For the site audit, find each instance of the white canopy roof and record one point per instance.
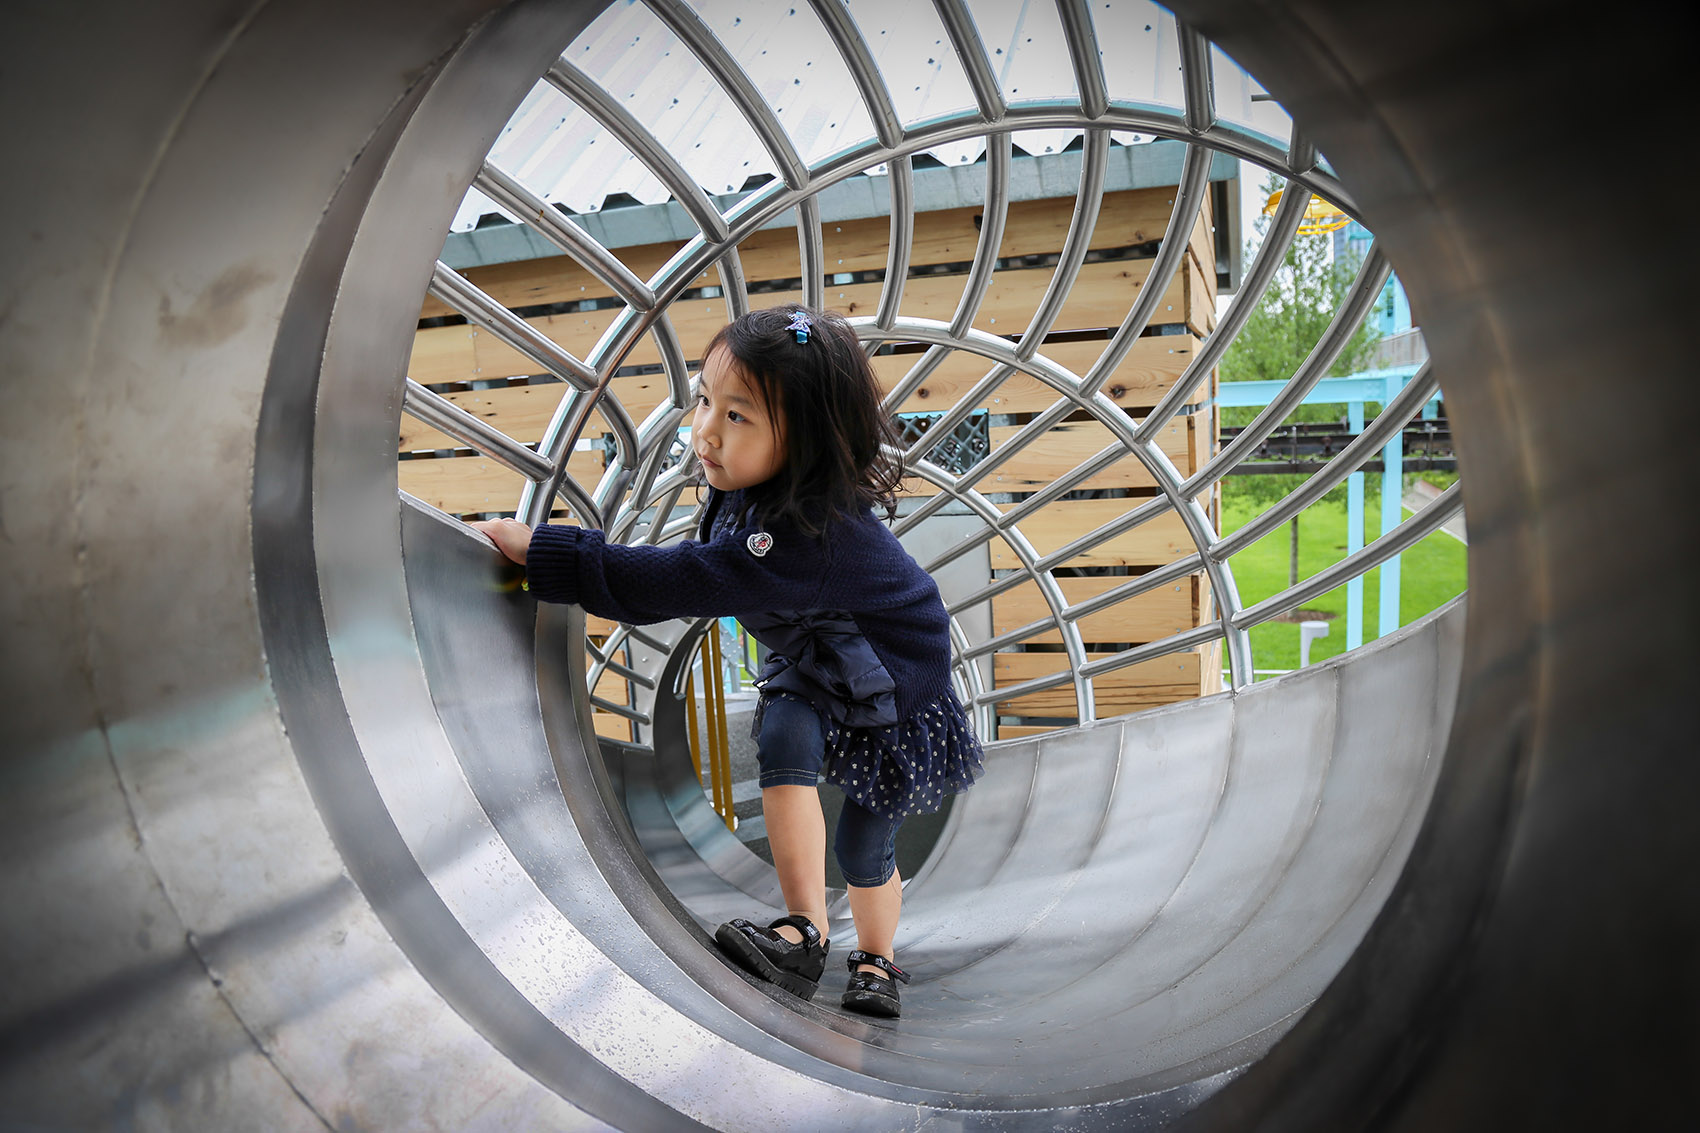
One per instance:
(563, 156)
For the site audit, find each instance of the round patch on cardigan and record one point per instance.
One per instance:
(759, 543)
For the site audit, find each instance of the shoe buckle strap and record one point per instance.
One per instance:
(811, 934)
(858, 957)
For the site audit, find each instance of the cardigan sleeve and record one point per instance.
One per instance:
(641, 584)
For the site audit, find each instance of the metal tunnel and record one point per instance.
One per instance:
(305, 823)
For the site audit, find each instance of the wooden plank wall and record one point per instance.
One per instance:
(567, 304)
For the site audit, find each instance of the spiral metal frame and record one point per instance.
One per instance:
(634, 483)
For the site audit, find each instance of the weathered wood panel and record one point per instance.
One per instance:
(1146, 617)
(1100, 298)
(1162, 680)
(1144, 376)
(1159, 541)
(611, 726)
(522, 412)
(1149, 369)
(1127, 218)
(1063, 448)
(466, 484)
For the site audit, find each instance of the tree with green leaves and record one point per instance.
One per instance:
(1303, 296)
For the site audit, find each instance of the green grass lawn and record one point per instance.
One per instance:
(1431, 573)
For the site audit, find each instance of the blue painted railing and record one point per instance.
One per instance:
(1372, 386)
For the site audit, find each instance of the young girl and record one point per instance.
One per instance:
(793, 444)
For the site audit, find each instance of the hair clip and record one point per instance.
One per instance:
(800, 324)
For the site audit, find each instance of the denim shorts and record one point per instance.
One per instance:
(791, 745)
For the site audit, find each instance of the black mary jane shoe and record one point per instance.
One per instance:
(765, 954)
(872, 993)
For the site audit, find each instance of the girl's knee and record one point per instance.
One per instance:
(873, 880)
(789, 743)
(865, 846)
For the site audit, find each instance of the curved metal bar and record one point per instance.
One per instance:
(1408, 533)
(973, 681)
(1048, 494)
(673, 361)
(671, 480)
(568, 421)
(993, 217)
(995, 459)
(1288, 216)
(712, 54)
(616, 342)
(1002, 352)
(654, 441)
(1127, 521)
(1168, 480)
(1195, 178)
(917, 374)
(1196, 80)
(563, 232)
(987, 592)
(622, 470)
(1133, 587)
(1203, 534)
(440, 413)
(960, 412)
(570, 417)
(1366, 289)
(733, 286)
(1088, 200)
(864, 72)
(1391, 420)
(622, 710)
(1048, 588)
(536, 497)
(618, 121)
(1301, 153)
(1175, 643)
(625, 672)
(1082, 42)
(774, 198)
(480, 309)
(965, 39)
(809, 252)
(1005, 640)
(902, 177)
(1006, 693)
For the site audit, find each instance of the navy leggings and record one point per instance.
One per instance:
(791, 747)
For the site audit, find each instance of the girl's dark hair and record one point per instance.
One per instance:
(839, 442)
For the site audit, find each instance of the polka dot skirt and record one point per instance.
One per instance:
(906, 768)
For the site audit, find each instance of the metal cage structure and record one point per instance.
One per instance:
(306, 822)
(1078, 102)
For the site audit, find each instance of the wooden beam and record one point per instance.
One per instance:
(1145, 617)
(1161, 680)
(522, 412)
(1127, 218)
(610, 726)
(463, 485)
(1162, 540)
(1064, 447)
(1143, 377)
(1102, 295)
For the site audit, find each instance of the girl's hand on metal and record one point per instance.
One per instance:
(511, 537)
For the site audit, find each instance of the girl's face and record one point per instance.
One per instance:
(740, 442)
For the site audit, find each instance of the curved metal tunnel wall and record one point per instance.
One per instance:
(216, 911)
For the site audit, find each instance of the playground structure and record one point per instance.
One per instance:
(254, 851)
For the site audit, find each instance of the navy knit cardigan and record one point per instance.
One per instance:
(775, 577)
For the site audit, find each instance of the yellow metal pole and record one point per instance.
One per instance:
(722, 746)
